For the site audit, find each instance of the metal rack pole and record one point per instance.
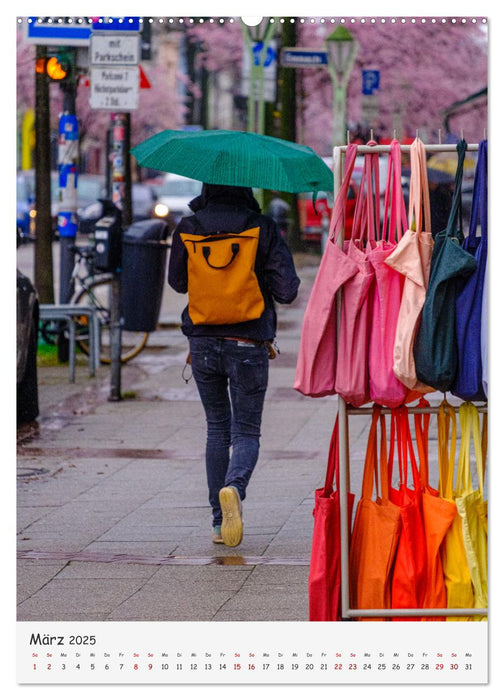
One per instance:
(344, 411)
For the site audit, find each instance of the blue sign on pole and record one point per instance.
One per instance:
(116, 24)
(303, 58)
(370, 81)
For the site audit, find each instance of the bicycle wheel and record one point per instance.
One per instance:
(98, 295)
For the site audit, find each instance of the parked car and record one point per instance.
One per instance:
(173, 196)
(27, 320)
(25, 201)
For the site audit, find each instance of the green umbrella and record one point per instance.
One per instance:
(242, 158)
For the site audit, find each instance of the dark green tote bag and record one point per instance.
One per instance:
(435, 348)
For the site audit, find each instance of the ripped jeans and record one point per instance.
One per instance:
(232, 379)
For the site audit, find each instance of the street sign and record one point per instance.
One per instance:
(370, 81)
(295, 57)
(269, 58)
(119, 24)
(114, 88)
(49, 32)
(113, 49)
(74, 31)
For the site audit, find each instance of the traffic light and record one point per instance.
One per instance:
(57, 66)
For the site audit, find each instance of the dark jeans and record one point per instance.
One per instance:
(232, 379)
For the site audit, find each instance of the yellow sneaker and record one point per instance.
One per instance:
(217, 535)
(232, 524)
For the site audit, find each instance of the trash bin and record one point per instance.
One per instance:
(144, 249)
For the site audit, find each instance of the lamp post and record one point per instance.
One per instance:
(341, 53)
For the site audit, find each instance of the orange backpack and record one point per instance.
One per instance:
(222, 284)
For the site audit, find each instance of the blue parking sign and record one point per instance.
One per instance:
(370, 81)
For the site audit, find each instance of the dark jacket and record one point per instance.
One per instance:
(233, 210)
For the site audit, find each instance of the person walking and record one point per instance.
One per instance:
(229, 358)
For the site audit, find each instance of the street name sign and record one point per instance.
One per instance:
(294, 57)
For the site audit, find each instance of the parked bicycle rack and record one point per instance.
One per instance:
(68, 313)
(345, 410)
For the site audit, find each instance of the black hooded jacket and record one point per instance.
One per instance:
(233, 210)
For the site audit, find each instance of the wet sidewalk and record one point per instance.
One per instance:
(113, 517)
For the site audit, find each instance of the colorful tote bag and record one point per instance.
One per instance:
(469, 305)
(412, 258)
(352, 371)
(471, 504)
(409, 577)
(435, 346)
(324, 579)
(457, 576)
(317, 357)
(376, 530)
(385, 388)
(438, 516)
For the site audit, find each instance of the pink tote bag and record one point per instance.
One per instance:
(352, 372)
(317, 357)
(412, 258)
(385, 388)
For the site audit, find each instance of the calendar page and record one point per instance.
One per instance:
(294, 499)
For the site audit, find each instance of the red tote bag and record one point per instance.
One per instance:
(352, 371)
(317, 356)
(324, 579)
(410, 568)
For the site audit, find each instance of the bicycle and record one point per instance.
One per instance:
(94, 290)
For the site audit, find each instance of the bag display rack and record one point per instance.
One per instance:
(345, 410)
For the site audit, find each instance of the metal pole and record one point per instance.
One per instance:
(119, 156)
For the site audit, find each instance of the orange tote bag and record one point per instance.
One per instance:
(438, 516)
(376, 530)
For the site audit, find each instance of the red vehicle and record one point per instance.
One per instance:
(311, 221)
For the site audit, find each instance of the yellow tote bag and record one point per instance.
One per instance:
(222, 284)
(459, 588)
(471, 505)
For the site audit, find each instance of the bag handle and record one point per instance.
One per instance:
(394, 222)
(235, 249)
(447, 436)
(400, 417)
(366, 220)
(479, 209)
(338, 212)
(422, 423)
(419, 214)
(371, 460)
(456, 208)
(333, 461)
(469, 423)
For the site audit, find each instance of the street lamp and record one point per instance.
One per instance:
(341, 53)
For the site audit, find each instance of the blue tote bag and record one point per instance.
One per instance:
(468, 383)
(435, 346)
